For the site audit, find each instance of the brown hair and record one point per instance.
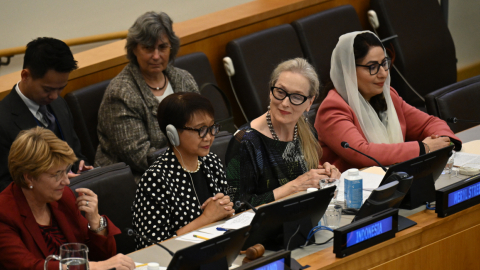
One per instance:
(34, 152)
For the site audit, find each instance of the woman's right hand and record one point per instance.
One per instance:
(310, 179)
(436, 142)
(118, 262)
(218, 208)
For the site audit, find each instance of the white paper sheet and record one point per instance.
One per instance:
(212, 230)
(462, 159)
(190, 238)
(239, 221)
(141, 266)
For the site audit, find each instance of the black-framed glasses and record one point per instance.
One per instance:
(375, 68)
(202, 132)
(280, 94)
(63, 173)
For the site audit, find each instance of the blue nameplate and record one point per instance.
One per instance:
(365, 233)
(458, 196)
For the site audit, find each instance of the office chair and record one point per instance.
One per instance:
(424, 52)
(84, 105)
(115, 187)
(254, 58)
(459, 100)
(198, 65)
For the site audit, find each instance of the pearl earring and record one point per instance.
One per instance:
(31, 187)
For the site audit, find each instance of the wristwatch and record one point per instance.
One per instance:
(103, 225)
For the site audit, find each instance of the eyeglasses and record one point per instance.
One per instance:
(280, 94)
(60, 174)
(375, 68)
(162, 48)
(202, 132)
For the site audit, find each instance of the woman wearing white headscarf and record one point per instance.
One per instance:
(366, 112)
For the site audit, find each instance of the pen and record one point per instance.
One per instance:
(201, 237)
(140, 265)
(221, 229)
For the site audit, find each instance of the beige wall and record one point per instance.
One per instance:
(24, 20)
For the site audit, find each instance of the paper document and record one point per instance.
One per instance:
(190, 238)
(371, 181)
(239, 221)
(461, 159)
(212, 230)
(144, 266)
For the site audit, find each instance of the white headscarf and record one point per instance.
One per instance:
(344, 77)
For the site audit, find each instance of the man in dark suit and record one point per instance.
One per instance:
(35, 101)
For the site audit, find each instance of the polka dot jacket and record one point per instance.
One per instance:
(165, 200)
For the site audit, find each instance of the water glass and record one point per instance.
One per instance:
(449, 165)
(329, 182)
(74, 256)
(332, 216)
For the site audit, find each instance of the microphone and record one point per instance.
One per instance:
(346, 145)
(131, 232)
(455, 120)
(239, 204)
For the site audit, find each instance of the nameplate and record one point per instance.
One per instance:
(365, 233)
(458, 196)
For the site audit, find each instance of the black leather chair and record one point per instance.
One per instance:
(115, 188)
(458, 100)
(424, 48)
(84, 105)
(254, 58)
(318, 35)
(219, 147)
(199, 66)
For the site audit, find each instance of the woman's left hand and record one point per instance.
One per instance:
(87, 201)
(330, 170)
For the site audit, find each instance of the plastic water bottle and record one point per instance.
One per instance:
(353, 189)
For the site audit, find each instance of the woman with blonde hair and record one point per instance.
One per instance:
(43, 213)
(277, 154)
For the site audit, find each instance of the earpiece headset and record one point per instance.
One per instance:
(172, 135)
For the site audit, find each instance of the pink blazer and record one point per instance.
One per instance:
(336, 122)
(22, 245)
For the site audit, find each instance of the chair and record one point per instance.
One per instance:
(84, 105)
(219, 147)
(424, 49)
(318, 35)
(254, 58)
(458, 100)
(198, 65)
(115, 188)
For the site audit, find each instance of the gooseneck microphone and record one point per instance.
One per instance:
(346, 145)
(239, 204)
(131, 232)
(455, 120)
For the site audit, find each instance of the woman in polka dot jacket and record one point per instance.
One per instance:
(184, 188)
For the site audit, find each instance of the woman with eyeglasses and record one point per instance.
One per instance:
(364, 111)
(185, 188)
(40, 212)
(277, 154)
(127, 123)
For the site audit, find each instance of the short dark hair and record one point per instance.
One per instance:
(45, 53)
(147, 29)
(178, 108)
(361, 45)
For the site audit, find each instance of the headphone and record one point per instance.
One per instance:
(172, 135)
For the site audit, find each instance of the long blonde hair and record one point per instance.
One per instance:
(310, 147)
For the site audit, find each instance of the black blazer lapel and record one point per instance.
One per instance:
(21, 115)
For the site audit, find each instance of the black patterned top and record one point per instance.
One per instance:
(165, 200)
(53, 236)
(256, 165)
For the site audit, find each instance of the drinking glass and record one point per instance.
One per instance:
(332, 216)
(329, 182)
(449, 165)
(74, 256)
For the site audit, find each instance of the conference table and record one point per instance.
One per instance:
(434, 243)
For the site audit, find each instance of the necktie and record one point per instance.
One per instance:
(48, 117)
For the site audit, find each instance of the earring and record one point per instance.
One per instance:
(305, 115)
(268, 108)
(31, 187)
